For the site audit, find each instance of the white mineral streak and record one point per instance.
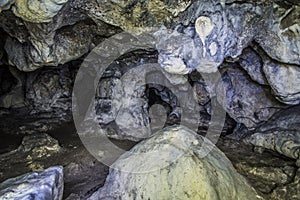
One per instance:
(204, 27)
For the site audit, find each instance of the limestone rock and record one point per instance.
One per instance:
(247, 102)
(210, 38)
(121, 103)
(280, 133)
(266, 174)
(70, 48)
(290, 191)
(266, 171)
(13, 26)
(47, 184)
(48, 47)
(49, 89)
(172, 165)
(131, 106)
(39, 145)
(18, 56)
(284, 142)
(37, 11)
(204, 27)
(253, 64)
(131, 15)
(280, 38)
(284, 80)
(229, 28)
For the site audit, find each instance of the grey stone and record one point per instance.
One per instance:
(217, 29)
(280, 133)
(13, 26)
(49, 89)
(247, 102)
(121, 102)
(131, 15)
(49, 47)
(39, 145)
(73, 197)
(253, 64)
(131, 106)
(173, 165)
(280, 37)
(265, 171)
(284, 80)
(266, 174)
(47, 184)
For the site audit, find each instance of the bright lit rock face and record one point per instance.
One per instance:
(37, 11)
(171, 165)
(47, 184)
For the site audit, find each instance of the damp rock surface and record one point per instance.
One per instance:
(171, 165)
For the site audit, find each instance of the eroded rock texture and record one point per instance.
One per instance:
(255, 46)
(50, 89)
(122, 104)
(284, 80)
(47, 184)
(290, 191)
(280, 133)
(171, 165)
(247, 102)
(262, 37)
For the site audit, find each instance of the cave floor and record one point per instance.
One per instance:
(83, 174)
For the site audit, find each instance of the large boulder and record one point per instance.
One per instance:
(47, 184)
(173, 165)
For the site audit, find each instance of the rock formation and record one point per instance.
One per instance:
(238, 56)
(47, 184)
(171, 165)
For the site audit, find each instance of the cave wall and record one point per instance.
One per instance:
(255, 46)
